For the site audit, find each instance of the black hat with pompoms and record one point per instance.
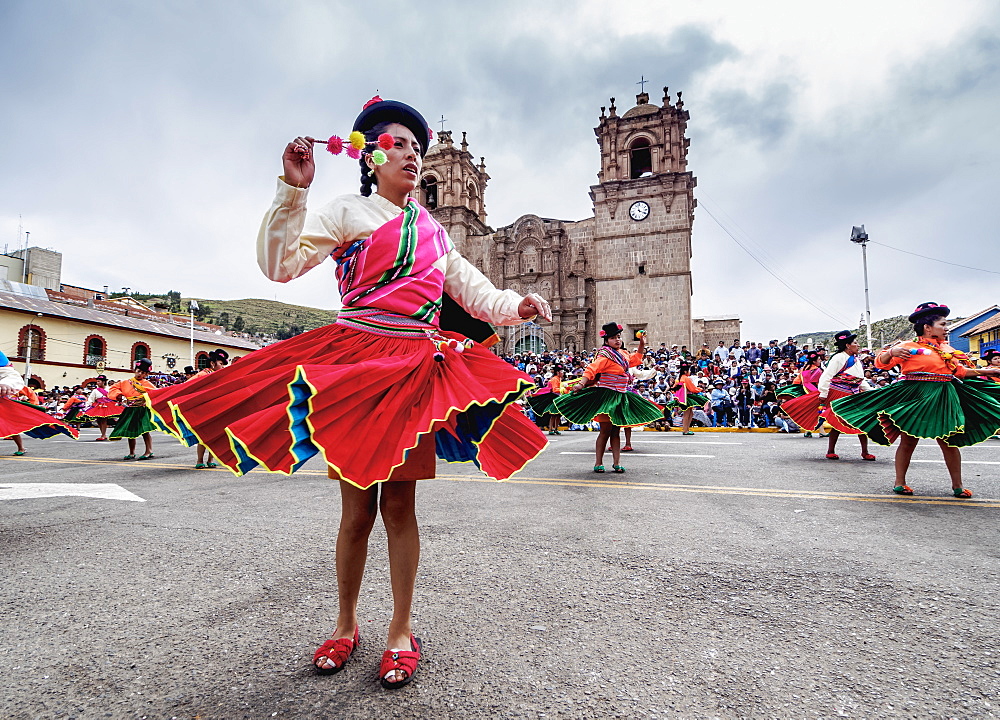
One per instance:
(610, 330)
(928, 309)
(377, 111)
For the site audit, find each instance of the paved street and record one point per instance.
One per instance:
(728, 575)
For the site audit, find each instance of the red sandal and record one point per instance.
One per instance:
(867, 456)
(404, 660)
(834, 456)
(337, 651)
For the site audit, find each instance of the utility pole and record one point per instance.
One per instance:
(859, 236)
(192, 306)
(24, 258)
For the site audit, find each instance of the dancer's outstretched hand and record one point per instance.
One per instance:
(299, 162)
(534, 305)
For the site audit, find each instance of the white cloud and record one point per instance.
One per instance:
(143, 141)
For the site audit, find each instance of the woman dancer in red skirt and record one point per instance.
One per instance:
(18, 417)
(386, 366)
(100, 407)
(843, 376)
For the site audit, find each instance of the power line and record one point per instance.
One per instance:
(925, 257)
(777, 277)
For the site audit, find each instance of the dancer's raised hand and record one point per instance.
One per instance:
(534, 305)
(299, 162)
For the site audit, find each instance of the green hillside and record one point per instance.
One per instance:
(250, 315)
(883, 332)
(263, 316)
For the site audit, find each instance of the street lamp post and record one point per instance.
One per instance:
(192, 306)
(859, 236)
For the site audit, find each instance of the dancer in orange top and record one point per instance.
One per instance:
(542, 402)
(939, 397)
(135, 419)
(609, 401)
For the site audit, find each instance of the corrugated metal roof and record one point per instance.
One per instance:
(48, 308)
(993, 322)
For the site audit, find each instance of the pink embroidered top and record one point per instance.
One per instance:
(810, 378)
(391, 261)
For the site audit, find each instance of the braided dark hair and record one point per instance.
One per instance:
(368, 180)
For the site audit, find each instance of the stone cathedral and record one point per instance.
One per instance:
(629, 263)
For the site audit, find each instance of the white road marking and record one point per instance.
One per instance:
(107, 491)
(632, 455)
(685, 442)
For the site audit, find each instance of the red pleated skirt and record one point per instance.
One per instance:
(17, 417)
(804, 410)
(365, 402)
(102, 410)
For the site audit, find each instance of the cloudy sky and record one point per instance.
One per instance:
(142, 140)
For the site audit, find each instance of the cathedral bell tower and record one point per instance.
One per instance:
(643, 213)
(452, 187)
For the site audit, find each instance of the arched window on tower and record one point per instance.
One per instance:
(642, 159)
(430, 188)
(473, 198)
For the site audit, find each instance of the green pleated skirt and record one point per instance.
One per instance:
(787, 392)
(543, 404)
(693, 400)
(133, 422)
(624, 409)
(961, 413)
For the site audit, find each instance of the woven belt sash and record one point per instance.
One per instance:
(928, 377)
(383, 322)
(846, 384)
(614, 382)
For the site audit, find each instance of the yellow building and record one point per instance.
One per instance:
(72, 342)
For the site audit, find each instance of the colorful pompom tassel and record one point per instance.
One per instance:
(357, 140)
(335, 145)
(386, 141)
(379, 157)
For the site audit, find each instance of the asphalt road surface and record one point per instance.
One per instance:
(725, 575)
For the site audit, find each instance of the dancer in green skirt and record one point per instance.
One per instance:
(542, 401)
(687, 396)
(135, 420)
(608, 399)
(939, 397)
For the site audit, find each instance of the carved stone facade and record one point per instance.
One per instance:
(629, 263)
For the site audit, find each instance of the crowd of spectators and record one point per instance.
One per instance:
(59, 400)
(740, 380)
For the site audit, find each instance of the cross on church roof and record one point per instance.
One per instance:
(442, 121)
(642, 83)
